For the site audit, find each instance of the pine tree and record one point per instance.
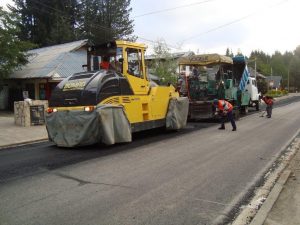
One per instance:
(47, 22)
(294, 67)
(106, 20)
(12, 50)
(227, 52)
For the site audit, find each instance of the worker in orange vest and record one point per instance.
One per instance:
(225, 109)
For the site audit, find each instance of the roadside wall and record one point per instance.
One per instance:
(30, 112)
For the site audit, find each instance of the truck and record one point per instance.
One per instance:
(212, 76)
(240, 67)
(106, 105)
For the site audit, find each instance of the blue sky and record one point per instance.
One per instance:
(210, 26)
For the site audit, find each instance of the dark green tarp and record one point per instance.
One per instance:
(107, 124)
(177, 113)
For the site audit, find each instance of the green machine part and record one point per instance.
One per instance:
(221, 92)
(211, 86)
(230, 90)
(198, 89)
(243, 98)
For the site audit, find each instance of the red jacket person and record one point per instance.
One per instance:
(225, 110)
(269, 102)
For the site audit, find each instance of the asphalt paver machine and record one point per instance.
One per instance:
(203, 78)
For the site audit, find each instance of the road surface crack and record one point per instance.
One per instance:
(82, 182)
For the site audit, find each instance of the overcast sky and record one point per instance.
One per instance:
(210, 26)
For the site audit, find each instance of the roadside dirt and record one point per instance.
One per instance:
(286, 209)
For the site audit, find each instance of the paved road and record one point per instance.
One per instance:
(198, 176)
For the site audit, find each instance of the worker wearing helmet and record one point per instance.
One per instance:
(224, 108)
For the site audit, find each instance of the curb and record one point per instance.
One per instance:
(23, 143)
(263, 212)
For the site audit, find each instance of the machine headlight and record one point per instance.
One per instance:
(51, 110)
(89, 108)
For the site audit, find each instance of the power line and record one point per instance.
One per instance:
(232, 22)
(96, 26)
(154, 42)
(173, 8)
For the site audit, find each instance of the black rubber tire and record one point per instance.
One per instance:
(257, 106)
(236, 114)
(244, 110)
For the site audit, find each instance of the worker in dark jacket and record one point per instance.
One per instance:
(269, 102)
(225, 109)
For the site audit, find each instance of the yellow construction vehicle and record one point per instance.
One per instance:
(113, 99)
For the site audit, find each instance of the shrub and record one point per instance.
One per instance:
(276, 93)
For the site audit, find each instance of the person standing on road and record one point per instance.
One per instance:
(269, 102)
(225, 109)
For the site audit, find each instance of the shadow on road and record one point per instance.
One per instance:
(27, 160)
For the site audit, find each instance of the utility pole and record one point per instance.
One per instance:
(288, 79)
(255, 68)
(271, 73)
(271, 79)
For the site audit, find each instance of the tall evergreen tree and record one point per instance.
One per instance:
(12, 49)
(287, 64)
(105, 20)
(64, 21)
(294, 67)
(47, 22)
(262, 62)
(229, 53)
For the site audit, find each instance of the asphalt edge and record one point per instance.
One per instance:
(263, 212)
(2, 147)
(249, 191)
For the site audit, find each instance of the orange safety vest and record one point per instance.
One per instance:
(224, 106)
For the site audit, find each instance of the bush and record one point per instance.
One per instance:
(277, 93)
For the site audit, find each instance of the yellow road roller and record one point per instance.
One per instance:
(112, 99)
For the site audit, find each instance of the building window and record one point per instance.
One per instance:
(134, 57)
(42, 91)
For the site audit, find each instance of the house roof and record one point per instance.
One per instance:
(275, 80)
(252, 73)
(174, 55)
(56, 62)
